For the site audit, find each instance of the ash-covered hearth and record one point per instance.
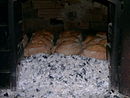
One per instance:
(60, 76)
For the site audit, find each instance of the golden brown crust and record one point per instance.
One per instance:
(94, 51)
(41, 42)
(67, 34)
(103, 42)
(69, 39)
(68, 48)
(93, 54)
(43, 34)
(68, 43)
(97, 48)
(101, 35)
(88, 39)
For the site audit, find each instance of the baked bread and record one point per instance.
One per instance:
(68, 48)
(91, 40)
(94, 51)
(88, 39)
(68, 34)
(69, 39)
(96, 40)
(103, 42)
(43, 34)
(102, 35)
(68, 43)
(41, 42)
(31, 51)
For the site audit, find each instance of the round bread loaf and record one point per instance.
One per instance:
(94, 41)
(31, 51)
(40, 47)
(48, 34)
(91, 40)
(43, 49)
(103, 42)
(70, 34)
(68, 48)
(68, 43)
(72, 49)
(102, 35)
(69, 39)
(43, 34)
(88, 39)
(94, 51)
(41, 42)
(97, 48)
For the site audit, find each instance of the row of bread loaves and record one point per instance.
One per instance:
(69, 43)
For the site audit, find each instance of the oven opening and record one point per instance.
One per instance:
(62, 48)
(62, 26)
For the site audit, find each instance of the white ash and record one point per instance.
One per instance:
(59, 76)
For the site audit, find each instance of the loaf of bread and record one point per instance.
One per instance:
(69, 39)
(68, 43)
(67, 34)
(103, 42)
(93, 40)
(43, 34)
(94, 46)
(88, 39)
(94, 51)
(68, 48)
(102, 35)
(31, 51)
(41, 42)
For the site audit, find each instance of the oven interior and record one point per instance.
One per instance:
(21, 20)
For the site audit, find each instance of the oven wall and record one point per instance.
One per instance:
(57, 16)
(119, 39)
(125, 50)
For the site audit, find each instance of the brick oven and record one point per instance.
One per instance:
(20, 17)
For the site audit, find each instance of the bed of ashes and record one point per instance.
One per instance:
(60, 76)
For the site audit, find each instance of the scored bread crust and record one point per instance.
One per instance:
(41, 42)
(94, 51)
(68, 43)
(68, 34)
(69, 39)
(68, 48)
(94, 41)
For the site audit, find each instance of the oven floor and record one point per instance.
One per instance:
(59, 76)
